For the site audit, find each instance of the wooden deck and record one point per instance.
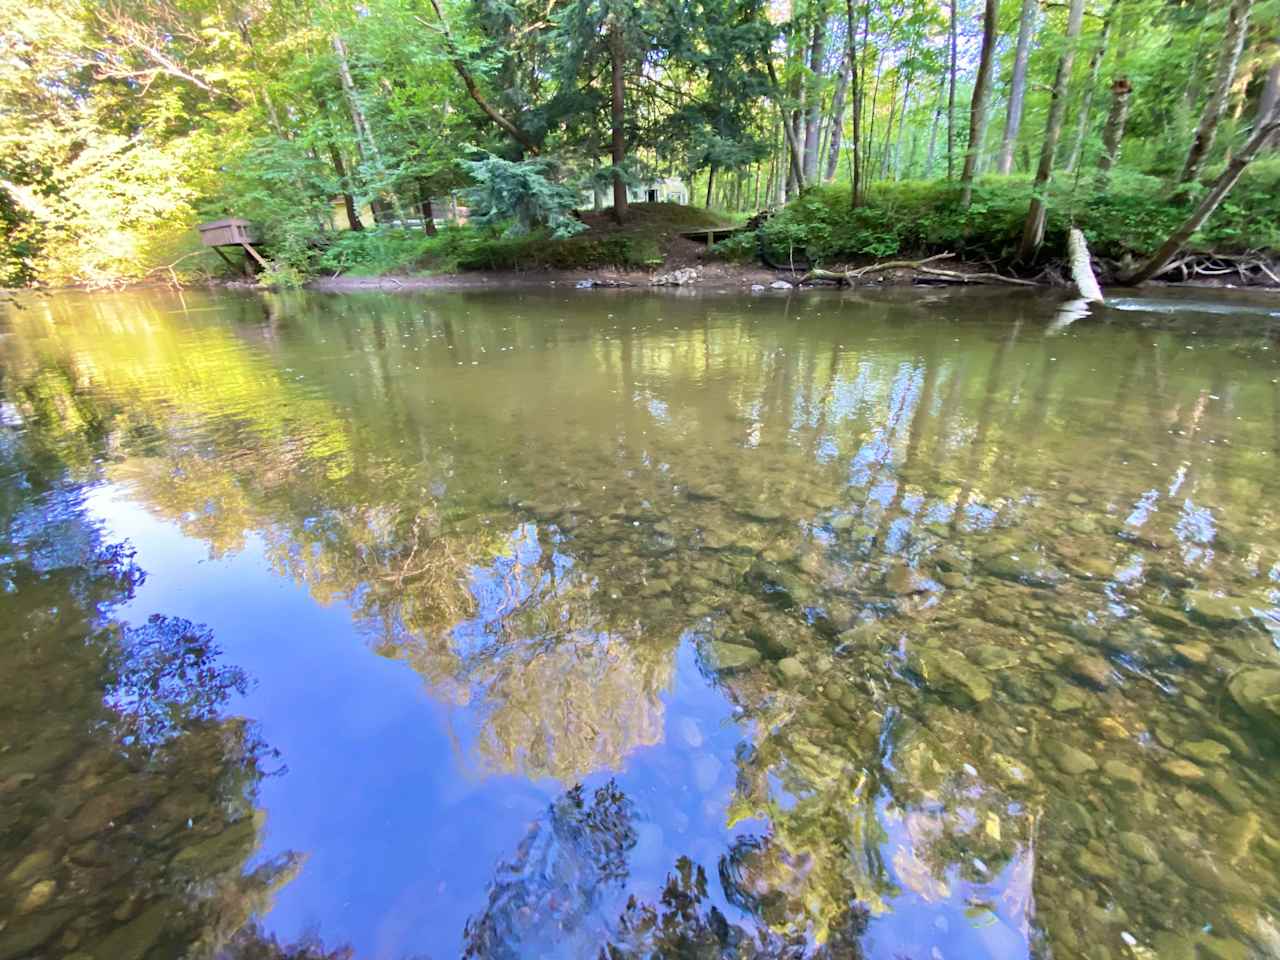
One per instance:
(712, 235)
(233, 232)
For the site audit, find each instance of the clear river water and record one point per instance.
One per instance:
(908, 625)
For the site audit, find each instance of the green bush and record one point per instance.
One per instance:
(376, 250)
(1130, 218)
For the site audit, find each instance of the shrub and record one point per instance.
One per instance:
(1130, 218)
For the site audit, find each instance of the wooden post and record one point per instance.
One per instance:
(254, 253)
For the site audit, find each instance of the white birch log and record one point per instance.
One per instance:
(1081, 268)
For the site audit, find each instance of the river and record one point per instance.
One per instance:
(910, 624)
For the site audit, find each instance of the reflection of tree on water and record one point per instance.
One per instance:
(565, 893)
(559, 688)
(127, 811)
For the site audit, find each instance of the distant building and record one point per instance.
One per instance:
(666, 190)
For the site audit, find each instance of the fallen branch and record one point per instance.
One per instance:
(168, 267)
(850, 277)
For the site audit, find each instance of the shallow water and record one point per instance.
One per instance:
(909, 625)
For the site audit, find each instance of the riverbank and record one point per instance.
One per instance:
(705, 275)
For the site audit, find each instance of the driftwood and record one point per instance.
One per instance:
(1250, 269)
(922, 268)
(1081, 268)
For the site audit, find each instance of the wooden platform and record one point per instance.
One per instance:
(233, 232)
(712, 235)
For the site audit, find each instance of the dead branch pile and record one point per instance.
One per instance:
(924, 272)
(1248, 269)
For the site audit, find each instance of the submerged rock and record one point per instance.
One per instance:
(1023, 565)
(902, 580)
(1216, 611)
(1257, 693)
(1205, 751)
(20, 936)
(1070, 760)
(1122, 775)
(792, 670)
(1193, 651)
(37, 896)
(1090, 669)
(1139, 847)
(949, 672)
(133, 940)
(729, 657)
(1182, 769)
(1096, 866)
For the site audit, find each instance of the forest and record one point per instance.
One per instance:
(352, 134)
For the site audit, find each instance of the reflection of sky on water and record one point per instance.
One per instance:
(402, 828)
(402, 832)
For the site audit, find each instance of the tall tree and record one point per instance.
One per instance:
(617, 115)
(978, 105)
(1233, 36)
(1038, 212)
(1091, 85)
(1113, 130)
(838, 105)
(813, 97)
(1017, 86)
(855, 93)
(951, 94)
(1270, 94)
(1266, 127)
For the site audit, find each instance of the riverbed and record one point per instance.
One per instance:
(556, 623)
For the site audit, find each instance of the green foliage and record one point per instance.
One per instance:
(380, 250)
(522, 194)
(1130, 218)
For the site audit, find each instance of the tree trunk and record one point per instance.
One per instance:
(870, 144)
(348, 201)
(902, 126)
(1091, 85)
(711, 179)
(1038, 212)
(358, 120)
(855, 94)
(933, 133)
(1113, 132)
(1228, 59)
(978, 106)
(793, 146)
(1265, 129)
(1017, 86)
(616, 118)
(951, 98)
(813, 116)
(837, 124)
(888, 130)
(1270, 97)
(468, 81)
(364, 134)
(428, 214)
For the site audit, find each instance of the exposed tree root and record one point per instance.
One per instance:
(922, 268)
(1249, 269)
